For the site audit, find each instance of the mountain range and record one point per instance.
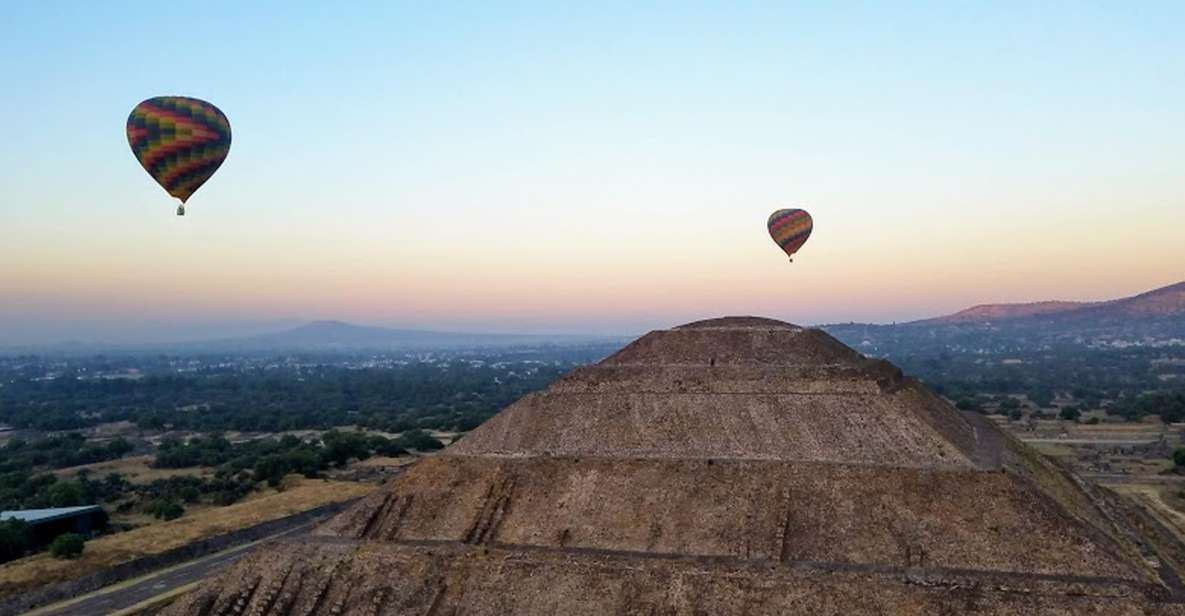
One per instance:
(322, 336)
(1163, 302)
(1155, 318)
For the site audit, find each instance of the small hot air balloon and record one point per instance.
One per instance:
(790, 229)
(179, 141)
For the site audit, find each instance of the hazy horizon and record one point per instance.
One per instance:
(165, 332)
(605, 170)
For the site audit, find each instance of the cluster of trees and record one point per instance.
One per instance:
(271, 459)
(1124, 382)
(1170, 405)
(25, 490)
(419, 395)
(224, 488)
(241, 466)
(71, 449)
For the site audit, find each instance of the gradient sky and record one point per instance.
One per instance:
(537, 168)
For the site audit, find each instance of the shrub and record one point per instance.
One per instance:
(1179, 457)
(165, 509)
(1070, 413)
(69, 545)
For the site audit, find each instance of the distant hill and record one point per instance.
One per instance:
(337, 335)
(1163, 302)
(1152, 319)
(1000, 312)
(332, 336)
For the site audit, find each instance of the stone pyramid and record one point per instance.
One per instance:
(731, 466)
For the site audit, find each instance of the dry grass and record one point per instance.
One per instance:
(136, 469)
(304, 494)
(387, 461)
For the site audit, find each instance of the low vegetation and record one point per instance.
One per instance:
(232, 472)
(109, 550)
(66, 450)
(248, 394)
(67, 546)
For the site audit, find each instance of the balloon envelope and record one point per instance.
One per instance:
(179, 141)
(790, 229)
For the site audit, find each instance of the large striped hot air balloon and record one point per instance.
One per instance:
(790, 229)
(179, 141)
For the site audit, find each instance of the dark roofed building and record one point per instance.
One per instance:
(45, 524)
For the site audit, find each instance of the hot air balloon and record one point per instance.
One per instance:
(179, 141)
(790, 229)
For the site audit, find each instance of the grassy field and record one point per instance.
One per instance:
(135, 469)
(300, 495)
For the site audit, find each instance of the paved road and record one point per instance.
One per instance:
(1106, 478)
(129, 593)
(1089, 441)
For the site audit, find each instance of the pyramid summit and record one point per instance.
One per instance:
(737, 388)
(729, 466)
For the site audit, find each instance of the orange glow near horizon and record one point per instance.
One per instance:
(600, 278)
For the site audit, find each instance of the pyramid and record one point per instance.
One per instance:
(731, 466)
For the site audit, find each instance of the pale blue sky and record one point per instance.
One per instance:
(607, 168)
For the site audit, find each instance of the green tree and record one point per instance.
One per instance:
(271, 469)
(420, 441)
(65, 494)
(14, 539)
(1179, 457)
(1070, 413)
(69, 545)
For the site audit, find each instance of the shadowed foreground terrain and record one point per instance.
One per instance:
(731, 466)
